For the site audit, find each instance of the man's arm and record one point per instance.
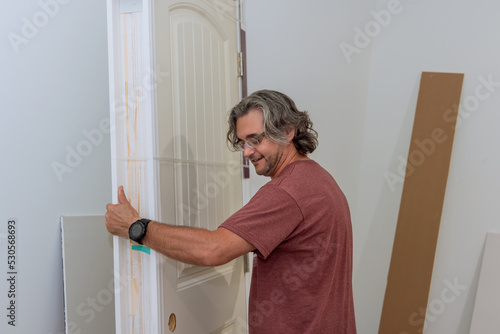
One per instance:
(186, 244)
(196, 246)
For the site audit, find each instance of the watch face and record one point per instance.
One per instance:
(136, 230)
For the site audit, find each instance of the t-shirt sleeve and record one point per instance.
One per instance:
(267, 219)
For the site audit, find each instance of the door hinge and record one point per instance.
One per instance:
(240, 64)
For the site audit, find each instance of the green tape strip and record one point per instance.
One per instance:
(141, 249)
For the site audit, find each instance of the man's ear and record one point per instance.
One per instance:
(290, 134)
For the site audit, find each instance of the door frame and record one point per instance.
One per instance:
(139, 303)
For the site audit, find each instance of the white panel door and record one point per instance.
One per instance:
(173, 77)
(200, 177)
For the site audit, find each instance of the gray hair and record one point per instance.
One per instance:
(280, 115)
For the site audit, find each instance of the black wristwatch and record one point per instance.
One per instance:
(138, 229)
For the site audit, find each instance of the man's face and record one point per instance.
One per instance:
(266, 156)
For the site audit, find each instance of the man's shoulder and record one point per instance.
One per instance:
(303, 180)
(302, 171)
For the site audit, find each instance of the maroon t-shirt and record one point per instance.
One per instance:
(300, 225)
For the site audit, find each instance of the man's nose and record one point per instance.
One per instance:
(247, 151)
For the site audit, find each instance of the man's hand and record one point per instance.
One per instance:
(120, 216)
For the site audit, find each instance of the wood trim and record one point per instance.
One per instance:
(133, 133)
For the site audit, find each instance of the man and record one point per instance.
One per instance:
(298, 225)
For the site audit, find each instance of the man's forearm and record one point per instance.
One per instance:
(190, 245)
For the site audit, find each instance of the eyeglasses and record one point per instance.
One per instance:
(252, 142)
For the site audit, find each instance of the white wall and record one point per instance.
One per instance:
(51, 90)
(364, 113)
